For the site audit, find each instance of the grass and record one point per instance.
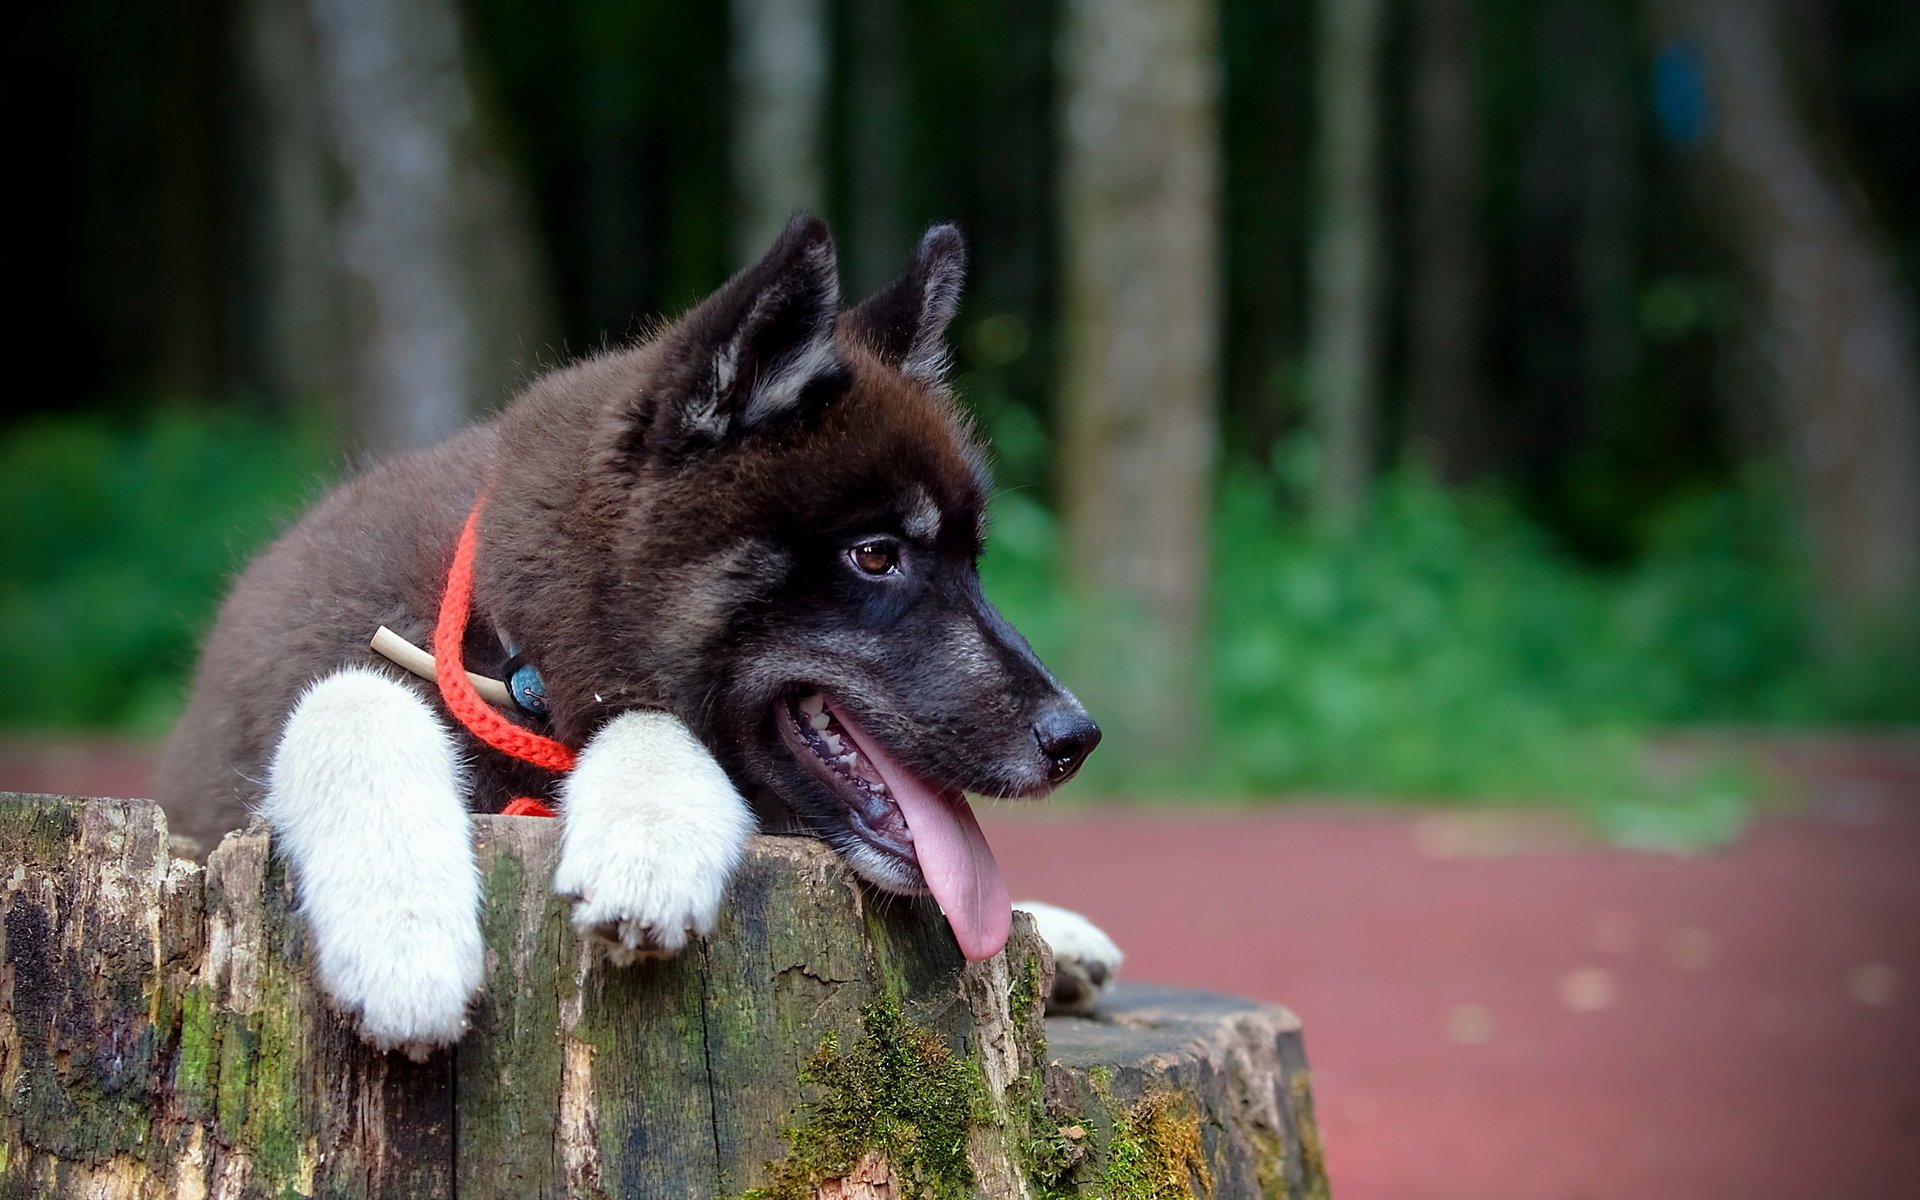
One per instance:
(1451, 653)
(118, 544)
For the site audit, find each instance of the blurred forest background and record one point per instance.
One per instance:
(1434, 399)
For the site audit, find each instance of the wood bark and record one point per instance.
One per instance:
(1140, 82)
(1217, 1054)
(1841, 338)
(161, 1036)
(1345, 259)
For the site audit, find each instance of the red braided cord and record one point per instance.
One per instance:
(527, 806)
(457, 690)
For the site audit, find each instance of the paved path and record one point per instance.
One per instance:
(1495, 1013)
(1497, 1010)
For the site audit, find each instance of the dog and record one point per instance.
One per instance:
(734, 564)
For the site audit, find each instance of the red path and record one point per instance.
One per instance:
(1564, 1022)
(1495, 1013)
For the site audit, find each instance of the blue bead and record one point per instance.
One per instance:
(528, 692)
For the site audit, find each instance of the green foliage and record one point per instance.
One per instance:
(899, 1090)
(118, 543)
(1452, 652)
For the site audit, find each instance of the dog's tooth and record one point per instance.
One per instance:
(820, 721)
(834, 744)
(812, 705)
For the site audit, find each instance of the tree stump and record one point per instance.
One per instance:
(160, 1036)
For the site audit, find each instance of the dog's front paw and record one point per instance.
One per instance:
(640, 900)
(1085, 960)
(367, 806)
(653, 829)
(407, 983)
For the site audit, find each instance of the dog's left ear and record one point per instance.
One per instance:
(906, 321)
(763, 343)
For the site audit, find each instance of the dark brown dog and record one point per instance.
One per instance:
(741, 556)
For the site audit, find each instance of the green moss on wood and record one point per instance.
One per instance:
(278, 1085)
(1026, 1010)
(509, 1067)
(195, 1072)
(1052, 1153)
(1270, 1167)
(1155, 1152)
(899, 1090)
(37, 828)
(1313, 1161)
(236, 1071)
(1150, 1150)
(262, 1057)
(1025, 990)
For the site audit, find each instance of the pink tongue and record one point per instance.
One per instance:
(954, 855)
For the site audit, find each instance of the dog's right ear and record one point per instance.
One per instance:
(761, 347)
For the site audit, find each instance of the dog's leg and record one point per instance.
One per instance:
(366, 802)
(653, 829)
(1085, 960)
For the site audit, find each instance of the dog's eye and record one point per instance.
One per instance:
(875, 556)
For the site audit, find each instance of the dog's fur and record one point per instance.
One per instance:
(668, 535)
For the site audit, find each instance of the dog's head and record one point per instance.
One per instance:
(799, 518)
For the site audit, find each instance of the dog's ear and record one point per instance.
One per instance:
(906, 321)
(763, 343)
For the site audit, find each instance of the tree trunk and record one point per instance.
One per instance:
(876, 116)
(1446, 422)
(419, 293)
(161, 1036)
(192, 348)
(294, 343)
(1344, 320)
(1141, 184)
(779, 94)
(1609, 203)
(1840, 336)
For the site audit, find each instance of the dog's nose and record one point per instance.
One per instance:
(1066, 735)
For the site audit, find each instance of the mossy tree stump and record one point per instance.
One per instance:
(160, 1036)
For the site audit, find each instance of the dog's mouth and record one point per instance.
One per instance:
(924, 832)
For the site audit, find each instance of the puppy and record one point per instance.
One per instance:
(731, 572)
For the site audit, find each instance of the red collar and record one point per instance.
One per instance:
(479, 717)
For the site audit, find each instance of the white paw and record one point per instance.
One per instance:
(639, 901)
(365, 802)
(1085, 960)
(406, 978)
(653, 830)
